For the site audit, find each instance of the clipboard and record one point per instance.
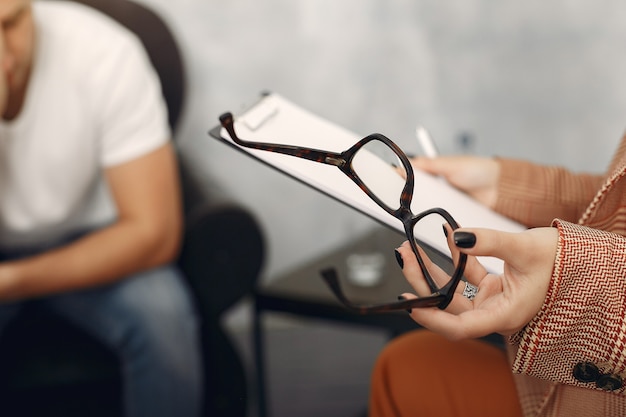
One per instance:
(275, 119)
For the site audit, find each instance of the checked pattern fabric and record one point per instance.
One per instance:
(584, 314)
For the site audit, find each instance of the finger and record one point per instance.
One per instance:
(474, 270)
(412, 271)
(414, 276)
(454, 250)
(474, 273)
(458, 304)
(469, 324)
(510, 247)
(531, 251)
(429, 165)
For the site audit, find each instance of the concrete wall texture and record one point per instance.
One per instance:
(536, 80)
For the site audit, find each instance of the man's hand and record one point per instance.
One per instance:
(146, 234)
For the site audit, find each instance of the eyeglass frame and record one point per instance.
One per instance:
(440, 297)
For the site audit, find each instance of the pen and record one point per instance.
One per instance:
(426, 142)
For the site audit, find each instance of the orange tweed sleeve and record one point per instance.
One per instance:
(534, 194)
(584, 314)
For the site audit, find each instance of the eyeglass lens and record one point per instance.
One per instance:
(429, 229)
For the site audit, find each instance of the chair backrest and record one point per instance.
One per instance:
(159, 43)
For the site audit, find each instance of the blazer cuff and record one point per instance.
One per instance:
(583, 316)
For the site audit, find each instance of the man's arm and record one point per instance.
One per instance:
(146, 234)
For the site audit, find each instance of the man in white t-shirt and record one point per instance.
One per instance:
(90, 216)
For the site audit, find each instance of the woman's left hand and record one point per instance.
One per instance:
(505, 303)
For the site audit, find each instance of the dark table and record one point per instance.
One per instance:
(302, 292)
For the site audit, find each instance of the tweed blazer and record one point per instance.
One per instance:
(583, 318)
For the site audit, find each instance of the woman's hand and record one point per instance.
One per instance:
(504, 303)
(476, 176)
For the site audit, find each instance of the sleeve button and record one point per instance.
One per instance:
(609, 382)
(586, 372)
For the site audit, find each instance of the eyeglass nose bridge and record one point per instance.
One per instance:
(409, 220)
(405, 215)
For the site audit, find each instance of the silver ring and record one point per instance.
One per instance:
(470, 291)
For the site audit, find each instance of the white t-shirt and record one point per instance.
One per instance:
(94, 101)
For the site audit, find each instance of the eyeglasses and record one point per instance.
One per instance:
(395, 199)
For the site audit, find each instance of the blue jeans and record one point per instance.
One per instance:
(149, 320)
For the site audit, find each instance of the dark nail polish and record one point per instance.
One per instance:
(402, 298)
(464, 239)
(445, 231)
(399, 258)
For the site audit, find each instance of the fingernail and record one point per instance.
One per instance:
(464, 239)
(399, 258)
(402, 298)
(445, 231)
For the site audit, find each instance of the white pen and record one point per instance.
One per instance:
(426, 142)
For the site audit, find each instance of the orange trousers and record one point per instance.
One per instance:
(423, 374)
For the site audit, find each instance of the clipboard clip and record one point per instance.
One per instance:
(260, 115)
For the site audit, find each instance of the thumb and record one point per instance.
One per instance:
(532, 249)
(487, 242)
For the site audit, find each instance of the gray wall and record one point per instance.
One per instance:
(541, 80)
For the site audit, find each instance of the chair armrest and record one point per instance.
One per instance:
(223, 247)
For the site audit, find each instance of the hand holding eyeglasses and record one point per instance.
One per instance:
(504, 303)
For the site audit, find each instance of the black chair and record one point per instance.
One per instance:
(49, 367)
